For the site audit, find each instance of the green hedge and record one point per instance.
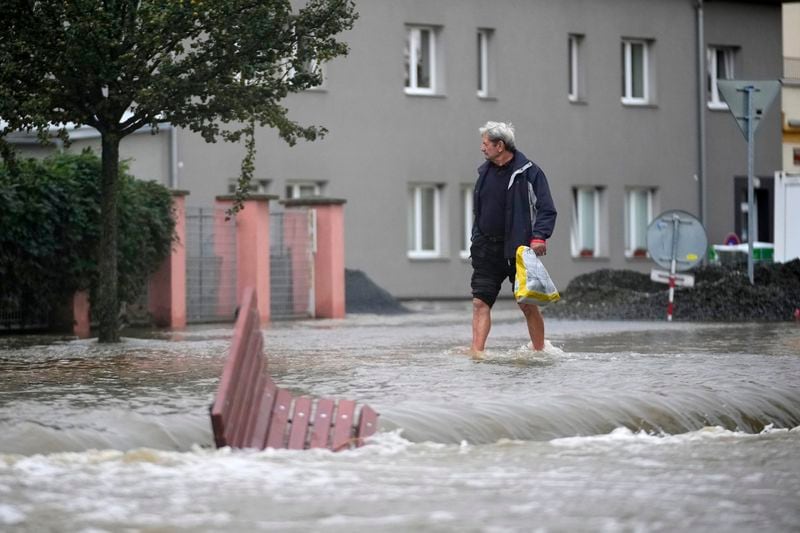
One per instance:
(50, 228)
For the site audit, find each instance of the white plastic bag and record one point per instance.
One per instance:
(532, 283)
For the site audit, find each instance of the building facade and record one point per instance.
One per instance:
(615, 100)
(790, 95)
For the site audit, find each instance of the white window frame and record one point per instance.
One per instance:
(632, 230)
(257, 185)
(413, 38)
(466, 202)
(627, 72)
(294, 188)
(715, 100)
(288, 72)
(574, 67)
(578, 240)
(415, 215)
(484, 41)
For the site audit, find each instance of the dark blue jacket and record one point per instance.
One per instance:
(530, 212)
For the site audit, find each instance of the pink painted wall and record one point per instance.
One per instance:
(81, 325)
(329, 292)
(252, 249)
(167, 291)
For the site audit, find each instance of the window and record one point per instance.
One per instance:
(300, 69)
(316, 68)
(575, 67)
(639, 208)
(303, 189)
(588, 216)
(257, 186)
(484, 38)
(720, 67)
(466, 220)
(424, 208)
(635, 72)
(420, 57)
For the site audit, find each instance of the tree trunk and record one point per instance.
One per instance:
(107, 293)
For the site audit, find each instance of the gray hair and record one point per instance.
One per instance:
(499, 131)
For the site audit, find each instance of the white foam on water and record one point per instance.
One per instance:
(623, 435)
(11, 515)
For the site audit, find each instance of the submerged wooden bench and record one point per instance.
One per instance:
(250, 411)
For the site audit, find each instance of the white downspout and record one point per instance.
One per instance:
(173, 157)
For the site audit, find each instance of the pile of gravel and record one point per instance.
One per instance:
(362, 295)
(720, 293)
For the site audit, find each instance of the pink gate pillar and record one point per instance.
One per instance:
(81, 324)
(329, 294)
(252, 249)
(167, 300)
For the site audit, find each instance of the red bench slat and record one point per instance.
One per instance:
(367, 424)
(244, 395)
(276, 436)
(343, 427)
(301, 417)
(322, 424)
(263, 412)
(221, 408)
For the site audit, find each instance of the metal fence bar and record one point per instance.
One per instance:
(210, 265)
(791, 68)
(291, 264)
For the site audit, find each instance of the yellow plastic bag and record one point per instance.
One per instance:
(532, 283)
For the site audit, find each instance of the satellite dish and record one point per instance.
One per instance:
(679, 235)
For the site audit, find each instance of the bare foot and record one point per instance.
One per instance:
(477, 355)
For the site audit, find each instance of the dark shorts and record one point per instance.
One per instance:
(489, 269)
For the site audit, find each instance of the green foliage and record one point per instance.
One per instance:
(216, 67)
(207, 65)
(50, 217)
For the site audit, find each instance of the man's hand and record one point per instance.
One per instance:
(539, 246)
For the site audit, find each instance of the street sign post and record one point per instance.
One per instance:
(680, 280)
(748, 101)
(675, 240)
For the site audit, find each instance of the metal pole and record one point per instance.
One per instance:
(701, 112)
(750, 164)
(673, 264)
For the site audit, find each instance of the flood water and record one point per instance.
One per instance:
(634, 426)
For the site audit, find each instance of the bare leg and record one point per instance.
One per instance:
(481, 324)
(535, 325)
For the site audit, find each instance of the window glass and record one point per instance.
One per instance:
(423, 221)
(586, 220)
(466, 218)
(420, 60)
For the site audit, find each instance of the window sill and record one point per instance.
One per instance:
(463, 255)
(638, 103)
(426, 94)
(578, 101)
(487, 98)
(717, 106)
(427, 258)
(590, 258)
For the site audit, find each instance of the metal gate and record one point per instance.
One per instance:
(291, 251)
(210, 265)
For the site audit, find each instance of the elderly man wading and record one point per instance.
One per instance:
(512, 207)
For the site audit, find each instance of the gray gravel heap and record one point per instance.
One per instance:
(362, 295)
(720, 294)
